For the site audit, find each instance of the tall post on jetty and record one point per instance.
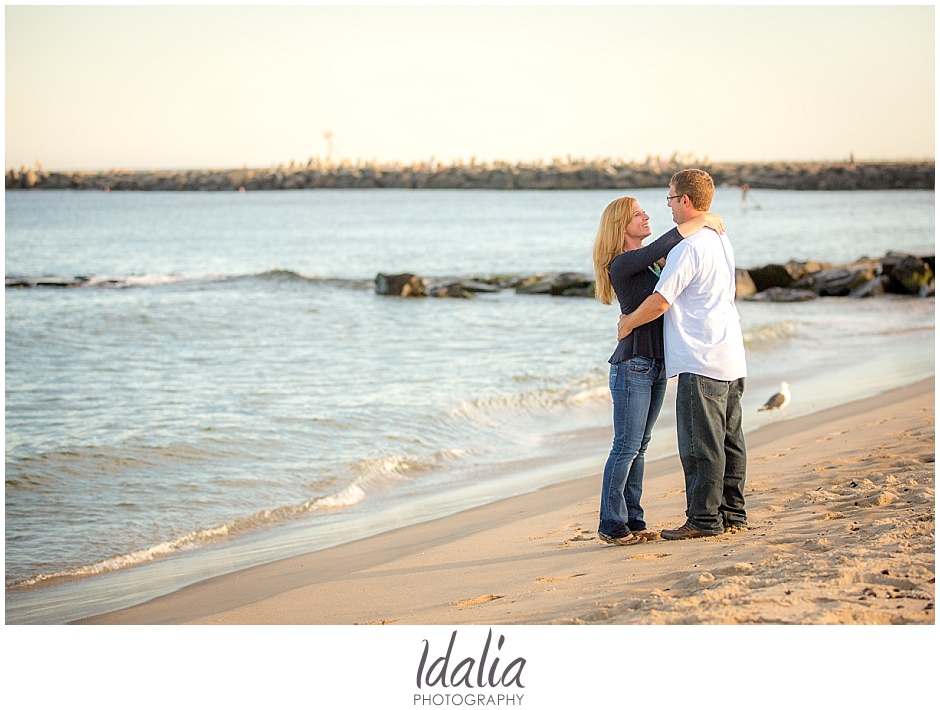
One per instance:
(329, 147)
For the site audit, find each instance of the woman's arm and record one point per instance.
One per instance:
(634, 261)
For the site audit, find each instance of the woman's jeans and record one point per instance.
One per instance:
(638, 387)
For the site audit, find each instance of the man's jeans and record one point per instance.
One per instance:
(711, 448)
(637, 387)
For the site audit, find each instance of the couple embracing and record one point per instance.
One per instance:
(677, 318)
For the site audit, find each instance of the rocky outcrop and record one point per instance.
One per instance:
(784, 283)
(606, 174)
(801, 281)
(894, 273)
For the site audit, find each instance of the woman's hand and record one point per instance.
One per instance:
(699, 222)
(714, 222)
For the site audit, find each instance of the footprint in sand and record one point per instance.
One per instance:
(478, 600)
(545, 580)
(579, 535)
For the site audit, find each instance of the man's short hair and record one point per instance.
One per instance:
(697, 184)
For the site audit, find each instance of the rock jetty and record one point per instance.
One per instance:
(600, 174)
(895, 273)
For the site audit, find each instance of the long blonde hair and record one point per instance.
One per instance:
(608, 245)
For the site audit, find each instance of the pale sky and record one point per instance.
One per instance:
(223, 86)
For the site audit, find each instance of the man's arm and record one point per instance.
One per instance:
(651, 309)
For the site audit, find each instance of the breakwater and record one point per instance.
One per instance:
(559, 175)
(894, 273)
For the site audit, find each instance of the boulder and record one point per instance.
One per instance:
(835, 282)
(474, 286)
(770, 276)
(784, 275)
(572, 285)
(799, 269)
(863, 263)
(906, 273)
(451, 290)
(782, 295)
(405, 285)
(891, 259)
(875, 287)
(535, 285)
(744, 284)
(578, 291)
(500, 281)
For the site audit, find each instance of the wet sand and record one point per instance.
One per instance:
(841, 512)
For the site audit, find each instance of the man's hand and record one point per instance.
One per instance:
(623, 330)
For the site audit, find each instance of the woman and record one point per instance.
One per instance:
(626, 269)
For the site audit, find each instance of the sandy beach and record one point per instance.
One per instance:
(841, 512)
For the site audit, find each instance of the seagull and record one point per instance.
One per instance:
(778, 401)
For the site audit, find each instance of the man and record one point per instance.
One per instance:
(704, 346)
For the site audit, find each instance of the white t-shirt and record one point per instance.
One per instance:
(702, 329)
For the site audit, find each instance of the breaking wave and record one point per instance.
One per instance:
(370, 474)
(769, 336)
(514, 412)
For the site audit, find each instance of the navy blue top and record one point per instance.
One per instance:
(633, 282)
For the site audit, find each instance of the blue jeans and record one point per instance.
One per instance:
(712, 451)
(638, 387)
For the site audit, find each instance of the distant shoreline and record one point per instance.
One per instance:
(594, 175)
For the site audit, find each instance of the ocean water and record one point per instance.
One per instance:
(226, 388)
